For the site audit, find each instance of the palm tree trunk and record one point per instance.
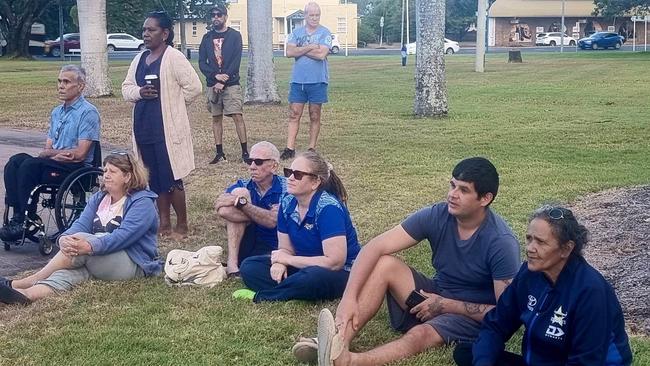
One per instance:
(260, 82)
(430, 81)
(94, 57)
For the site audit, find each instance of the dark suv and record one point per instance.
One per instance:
(70, 42)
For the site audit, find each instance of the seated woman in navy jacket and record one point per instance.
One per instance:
(570, 312)
(317, 242)
(113, 239)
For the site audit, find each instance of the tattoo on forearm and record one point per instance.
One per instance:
(473, 308)
(506, 283)
(435, 307)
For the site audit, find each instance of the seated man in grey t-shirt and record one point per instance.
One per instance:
(475, 255)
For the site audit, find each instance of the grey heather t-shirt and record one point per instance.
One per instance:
(465, 269)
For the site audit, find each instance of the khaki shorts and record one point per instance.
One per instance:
(228, 102)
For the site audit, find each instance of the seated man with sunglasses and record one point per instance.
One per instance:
(74, 126)
(250, 207)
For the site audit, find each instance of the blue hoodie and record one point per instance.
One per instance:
(136, 234)
(577, 321)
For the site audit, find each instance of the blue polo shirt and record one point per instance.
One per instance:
(270, 198)
(306, 70)
(327, 217)
(80, 121)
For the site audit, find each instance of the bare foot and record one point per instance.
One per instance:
(165, 229)
(345, 358)
(181, 230)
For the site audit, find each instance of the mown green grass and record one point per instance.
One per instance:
(557, 127)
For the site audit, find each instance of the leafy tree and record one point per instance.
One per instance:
(16, 19)
(460, 15)
(615, 8)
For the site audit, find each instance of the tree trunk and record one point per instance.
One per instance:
(16, 19)
(260, 82)
(94, 57)
(430, 82)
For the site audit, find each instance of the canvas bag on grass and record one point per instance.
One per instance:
(200, 268)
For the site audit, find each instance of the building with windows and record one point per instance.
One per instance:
(517, 22)
(340, 18)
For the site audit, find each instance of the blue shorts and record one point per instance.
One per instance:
(308, 93)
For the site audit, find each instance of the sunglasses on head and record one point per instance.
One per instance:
(122, 153)
(257, 162)
(556, 214)
(297, 173)
(218, 14)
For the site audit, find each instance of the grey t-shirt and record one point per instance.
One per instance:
(465, 269)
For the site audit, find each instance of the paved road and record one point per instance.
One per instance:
(128, 55)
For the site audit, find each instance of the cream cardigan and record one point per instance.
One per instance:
(179, 86)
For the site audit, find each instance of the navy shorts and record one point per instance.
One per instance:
(308, 93)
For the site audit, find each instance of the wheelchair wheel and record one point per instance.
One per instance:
(45, 245)
(73, 195)
(7, 246)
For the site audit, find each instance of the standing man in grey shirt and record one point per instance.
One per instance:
(475, 255)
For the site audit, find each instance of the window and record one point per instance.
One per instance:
(233, 1)
(193, 29)
(341, 25)
(236, 25)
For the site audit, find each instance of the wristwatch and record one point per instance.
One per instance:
(241, 201)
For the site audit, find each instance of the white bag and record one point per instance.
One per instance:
(200, 268)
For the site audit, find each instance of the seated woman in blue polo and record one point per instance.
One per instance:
(317, 242)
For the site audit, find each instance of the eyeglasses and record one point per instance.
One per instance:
(218, 15)
(257, 162)
(556, 214)
(297, 173)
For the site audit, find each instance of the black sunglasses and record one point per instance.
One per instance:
(218, 15)
(297, 173)
(257, 162)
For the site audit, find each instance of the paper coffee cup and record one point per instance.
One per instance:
(152, 80)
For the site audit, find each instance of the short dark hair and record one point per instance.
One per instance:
(165, 22)
(220, 8)
(564, 225)
(481, 172)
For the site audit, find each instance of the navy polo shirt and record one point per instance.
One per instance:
(327, 217)
(270, 198)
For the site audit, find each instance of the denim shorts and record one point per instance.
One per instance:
(308, 93)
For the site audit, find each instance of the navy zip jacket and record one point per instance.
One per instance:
(578, 321)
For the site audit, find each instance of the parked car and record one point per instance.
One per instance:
(554, 39)
(450, 47)
(336, 46)
(70, 42)
(123, 41)
(603, 40)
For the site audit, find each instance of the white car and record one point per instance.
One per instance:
(450, 47)
(123, 41)
(553, 39)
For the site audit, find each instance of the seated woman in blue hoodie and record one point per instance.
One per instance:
(569, 311)
(114, 238)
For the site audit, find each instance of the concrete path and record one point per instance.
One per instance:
(19, 258)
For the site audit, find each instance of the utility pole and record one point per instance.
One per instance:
(401, 37)
(381, 31)
(562, 28)
(408, 39)
(181, 26)
(479, 63)
(61, 43)
(346, 28)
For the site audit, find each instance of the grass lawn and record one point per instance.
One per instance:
(557, 127)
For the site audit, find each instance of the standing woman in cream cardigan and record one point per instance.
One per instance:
(161, 83)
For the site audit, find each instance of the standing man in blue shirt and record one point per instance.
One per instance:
(74, 128)
(250, 207)
(309, 45)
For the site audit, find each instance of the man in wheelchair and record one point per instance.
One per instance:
(74, 127)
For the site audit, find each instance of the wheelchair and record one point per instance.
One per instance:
(58, 205)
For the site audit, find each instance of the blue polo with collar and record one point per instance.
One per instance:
(79, 121)
(270, 198)
(326, 218)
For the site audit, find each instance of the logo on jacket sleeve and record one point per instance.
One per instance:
(558, 318)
